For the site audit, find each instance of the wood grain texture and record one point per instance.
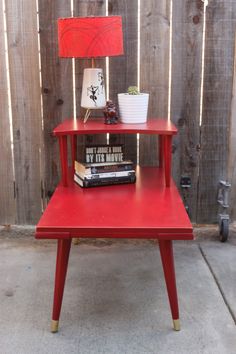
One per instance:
(123, 69)
(232, 146)
(25, 97)
(185, 94)
(154, 68)
(206, 155)
(56, 86)
(7, 206)
(219, 54)
(87, 8)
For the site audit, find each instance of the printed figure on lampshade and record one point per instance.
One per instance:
(91, 37)
(93, 91)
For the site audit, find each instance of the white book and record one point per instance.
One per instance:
(78, 180)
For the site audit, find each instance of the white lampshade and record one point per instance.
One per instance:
(93, 89)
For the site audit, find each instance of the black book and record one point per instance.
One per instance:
(85, 183)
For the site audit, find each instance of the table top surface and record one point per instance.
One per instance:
(140, 209)
(97, 126)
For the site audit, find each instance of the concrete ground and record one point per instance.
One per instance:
(115, 299)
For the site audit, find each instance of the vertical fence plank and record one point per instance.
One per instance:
(7, 206)
(123, 69)
(25, 95)
(154, 70)
(81, 9)
(232, 146)
(186, 88)
(219, 54)
(56, 85)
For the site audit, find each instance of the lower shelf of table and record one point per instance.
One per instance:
(146, 209)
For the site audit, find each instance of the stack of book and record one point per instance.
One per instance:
(104, 166)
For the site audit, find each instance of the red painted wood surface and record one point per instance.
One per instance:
(90, 37)
(146, 209)
(64, 159)
(73, 143)
(97, 126)
(167, 143)
(161, 152)
(63, 252)
(167, 257)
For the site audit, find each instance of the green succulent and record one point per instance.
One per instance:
(133, 90)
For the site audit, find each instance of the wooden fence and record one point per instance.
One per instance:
(179, 53)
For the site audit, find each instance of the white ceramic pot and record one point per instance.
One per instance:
(133, 108)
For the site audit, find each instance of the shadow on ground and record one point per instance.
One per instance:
(115, 299)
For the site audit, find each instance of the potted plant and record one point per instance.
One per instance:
(133, 106)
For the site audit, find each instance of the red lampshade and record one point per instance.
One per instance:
(90, 37)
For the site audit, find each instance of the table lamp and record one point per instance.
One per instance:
(91, 37)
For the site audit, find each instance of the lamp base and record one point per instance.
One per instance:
(87, 115)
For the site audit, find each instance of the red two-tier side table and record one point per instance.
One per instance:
(150, 208)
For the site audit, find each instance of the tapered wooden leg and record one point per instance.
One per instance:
(166, 251)
(63, 252)
(73, 141)
(63, 158)
(167, 139)
(75, 241)
(161, 150)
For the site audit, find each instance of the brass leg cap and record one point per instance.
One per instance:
(176, 324)
(54, 326)
(75, 241)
